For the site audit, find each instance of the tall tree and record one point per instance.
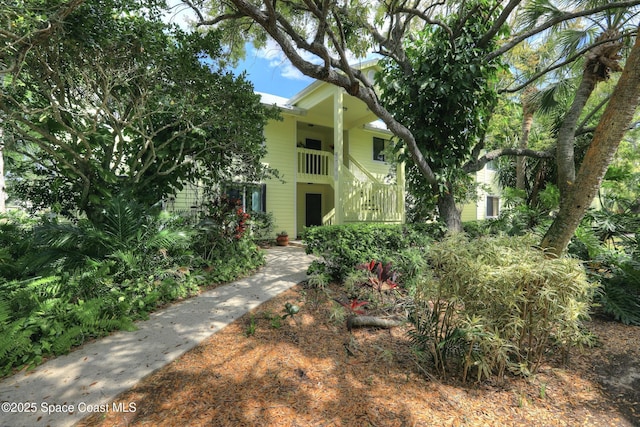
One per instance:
(118, 101)
(20, 30)
(331, 33)
(580, 189)
(444, 94)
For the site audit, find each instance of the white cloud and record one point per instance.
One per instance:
(278, 60)
(180, 14)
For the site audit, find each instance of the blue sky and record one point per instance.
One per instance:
(267, 68)
(271, 73)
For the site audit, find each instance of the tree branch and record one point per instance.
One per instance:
(569, 60)
(499, 22)
(550, 23)
(475, 166)
(580, 129)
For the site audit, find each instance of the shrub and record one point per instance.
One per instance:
(342, 247)
(619, 297)
(611, 251)
(262, 226)
(103, 276)
(16, 238)
(222, 242)
(493, 305)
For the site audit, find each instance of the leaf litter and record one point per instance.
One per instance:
(309, 370)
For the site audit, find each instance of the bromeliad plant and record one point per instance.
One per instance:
(376, 282)
(381, 277)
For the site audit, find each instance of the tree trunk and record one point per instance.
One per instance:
(565, 153)
(528, 109)
(614, 123)
(449, 212)
(370, 321)
(3, 190)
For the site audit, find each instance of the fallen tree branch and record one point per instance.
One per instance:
(376, 322)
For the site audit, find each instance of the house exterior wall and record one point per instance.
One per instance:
(487, 187)
(361, 148)
(343, 172)
(281, 155)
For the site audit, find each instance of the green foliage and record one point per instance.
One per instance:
(114, 71)
(620, 295)
(608, 240)
(446, 96)
(101, 277)
(262, 226)
(493, 305)
(222, 241)
(343, 247)
(43, 317)
(379, 284)
(517, 217)
(251, 327)
(129, 238)
(290, 310)
(15, 241)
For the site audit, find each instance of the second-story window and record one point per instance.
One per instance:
(379, 145)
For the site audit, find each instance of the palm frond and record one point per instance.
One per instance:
(554, 96)
(168, 239)
(122, 220)
(571, 40)
(537, 11)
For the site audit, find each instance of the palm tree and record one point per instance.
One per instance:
(604, 39)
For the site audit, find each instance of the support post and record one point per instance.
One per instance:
(338, 155)
(401, 182)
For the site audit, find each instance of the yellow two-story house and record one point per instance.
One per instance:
(329, 152)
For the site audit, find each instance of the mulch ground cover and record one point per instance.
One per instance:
(309, 370)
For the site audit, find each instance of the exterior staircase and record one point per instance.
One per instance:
(364, 199)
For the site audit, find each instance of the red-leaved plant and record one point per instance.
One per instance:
(353, 306)
(381, 277)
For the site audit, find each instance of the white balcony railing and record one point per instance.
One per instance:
(315, 166)
(373, 202)
(364, 198)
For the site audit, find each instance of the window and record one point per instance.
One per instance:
(379, 146)
(493, 206)
(252, 196)
(491, 165)
(313, 144)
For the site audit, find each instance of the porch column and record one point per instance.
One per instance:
(338, 141)
(401, 181)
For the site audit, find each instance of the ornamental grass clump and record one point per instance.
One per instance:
(497, 304)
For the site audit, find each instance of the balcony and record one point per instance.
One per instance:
(363, 197)
(315, 166)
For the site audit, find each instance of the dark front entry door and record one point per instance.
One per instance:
(313, 204)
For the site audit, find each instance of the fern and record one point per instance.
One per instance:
(5, 313)
(66, 340)
(15, 345)
(620, 293)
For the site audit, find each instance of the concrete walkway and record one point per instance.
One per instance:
(64, 390)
